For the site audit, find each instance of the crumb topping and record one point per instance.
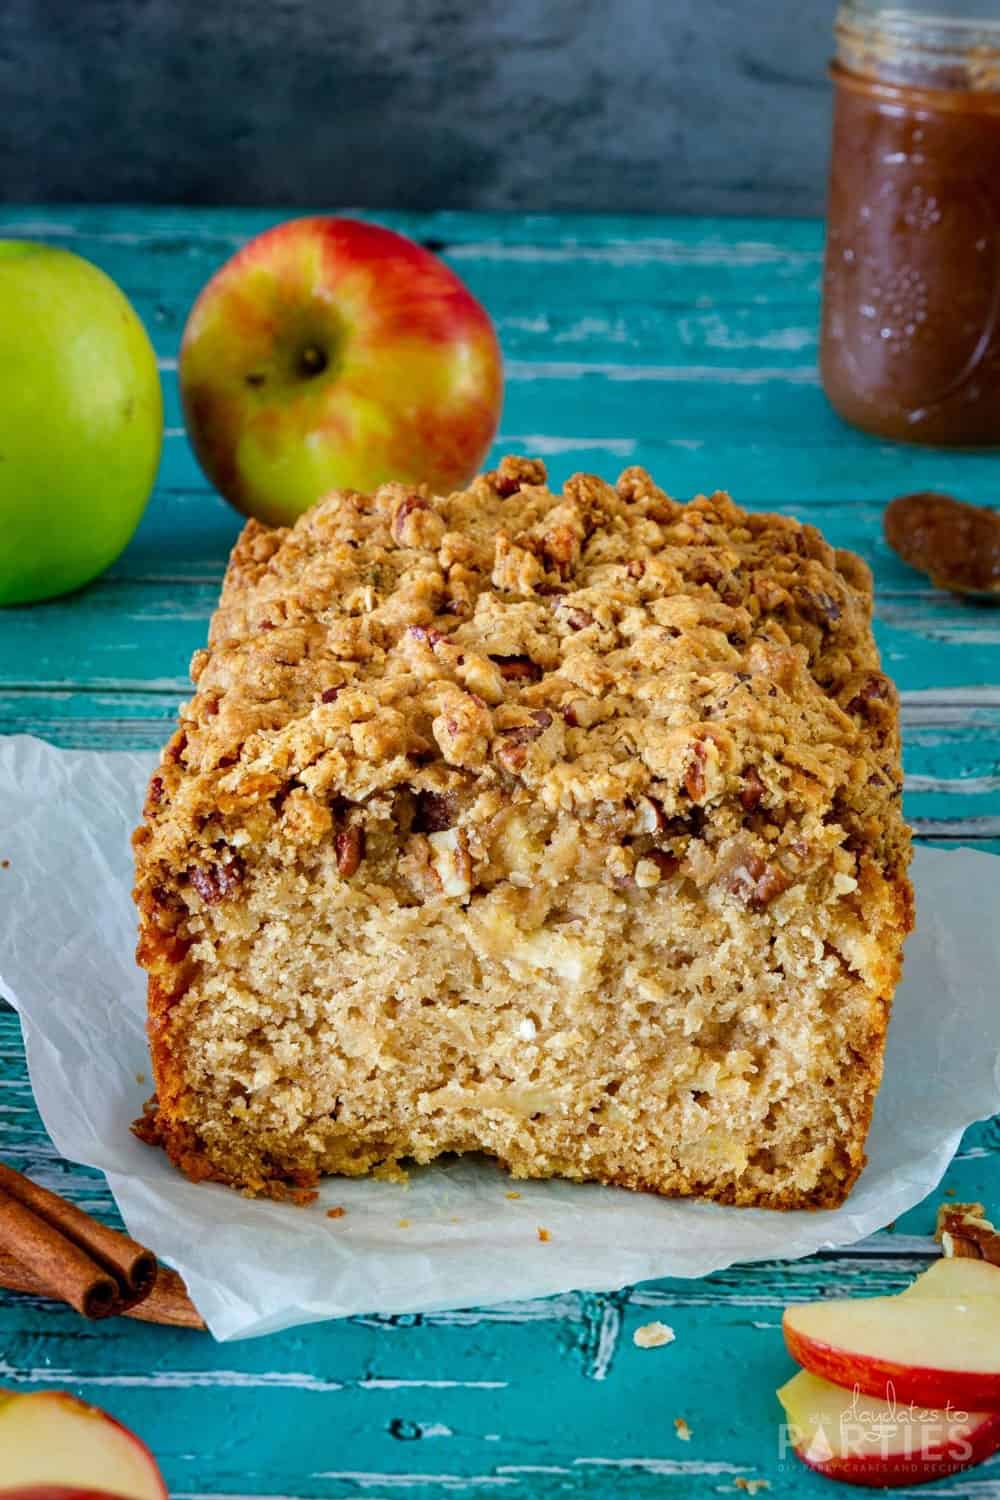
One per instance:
(606, 653)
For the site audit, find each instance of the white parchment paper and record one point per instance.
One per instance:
(67, 934)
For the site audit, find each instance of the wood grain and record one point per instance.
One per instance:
(687, 346)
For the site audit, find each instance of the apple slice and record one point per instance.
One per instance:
(956, 1278)
(52, 1445)
(862, 1440)
(55, 1492)
(936, 1343)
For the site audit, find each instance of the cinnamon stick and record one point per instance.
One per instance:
(66, 1269)
(132, 1267)
(168, 1303)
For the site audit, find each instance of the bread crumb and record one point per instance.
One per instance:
(751, 1486)
(683, 1430)
(336, 1213)
(512, 1195)
(403, 1224)
(544, 1235)
(140, 1079)
(4, 864)
(653, 1336)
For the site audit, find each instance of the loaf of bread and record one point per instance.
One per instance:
(560, 827)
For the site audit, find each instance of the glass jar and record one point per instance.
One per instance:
(910, 343)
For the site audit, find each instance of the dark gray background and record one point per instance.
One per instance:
(647, 105)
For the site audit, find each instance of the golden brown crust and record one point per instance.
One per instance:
(646, 668)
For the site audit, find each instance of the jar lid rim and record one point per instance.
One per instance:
(894, 44)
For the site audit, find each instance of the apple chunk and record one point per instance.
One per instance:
(937, 1343)
(52, 1445)
(860, 1439)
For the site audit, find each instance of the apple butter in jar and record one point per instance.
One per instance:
(910, 344)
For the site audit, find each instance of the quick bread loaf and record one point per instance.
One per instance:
(563, 827)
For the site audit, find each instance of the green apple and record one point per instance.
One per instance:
(81, 421)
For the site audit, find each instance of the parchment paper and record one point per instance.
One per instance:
(67, 935)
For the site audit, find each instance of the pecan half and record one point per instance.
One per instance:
(956, 544)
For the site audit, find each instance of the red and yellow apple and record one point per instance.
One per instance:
(55, 1447)
(329, 353)
(861, 1439)
(937, 1343)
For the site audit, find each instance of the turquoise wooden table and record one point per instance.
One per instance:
(687, 346)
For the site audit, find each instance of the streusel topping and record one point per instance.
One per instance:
(621, 655)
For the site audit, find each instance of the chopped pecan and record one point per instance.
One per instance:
(518, 668)
(667, 864)
(705, 569)
(435, 811)
(561, 549)
(875, 689)
(576, 619)
(636, 568)
(405, 508)
(521, 734)
(426, 633)
(512, 755)
(329, 695)
(817, 606)
(215, 882)
(350, 849)
(871, 698)
(754, 881)
(753, 789)
(512, 472)
(694, 777)
(155, 794)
